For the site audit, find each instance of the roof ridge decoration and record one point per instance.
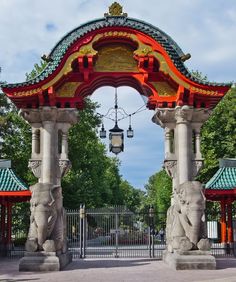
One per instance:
(116, 10)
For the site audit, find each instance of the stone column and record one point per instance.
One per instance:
(183, 116)
(186, 225)
(198, 143)
(183, 120)
(48, 154)
(64, 145)
(47, 241)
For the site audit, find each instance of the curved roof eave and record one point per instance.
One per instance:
(57, 53)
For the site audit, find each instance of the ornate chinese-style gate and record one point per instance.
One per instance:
(112, 51)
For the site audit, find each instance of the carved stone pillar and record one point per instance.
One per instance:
(48, 154)
(47, 230)
(198, 119)
(182, 121)
(183, 116)
(47, 164)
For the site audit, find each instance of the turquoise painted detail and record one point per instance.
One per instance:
(224, 179)
(10, 182)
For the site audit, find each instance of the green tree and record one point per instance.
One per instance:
(133, 198)
(159, 189)
(38, 68)
(218, 135)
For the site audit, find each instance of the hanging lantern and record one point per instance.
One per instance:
(130, 132)
(102, 132)
(116, 139)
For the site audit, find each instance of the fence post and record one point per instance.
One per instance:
(117, 230)
(81, 222)
(84, 231)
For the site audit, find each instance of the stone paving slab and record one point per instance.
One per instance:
(120, 270)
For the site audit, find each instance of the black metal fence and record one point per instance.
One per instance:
(19, 231)
(214, 233)
(115, 232)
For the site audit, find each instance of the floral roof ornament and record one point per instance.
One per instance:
(116, 10)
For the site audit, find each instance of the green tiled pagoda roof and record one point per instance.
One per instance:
(57, 53)
(9, 182)
(225, 177)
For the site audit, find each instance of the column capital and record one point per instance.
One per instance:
(200, 116)
(183, 114)
(44, 114)
(164, 117)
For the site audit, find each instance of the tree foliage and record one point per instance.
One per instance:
(132, 198)
(94, 178)
(159, 189)
(218, 135)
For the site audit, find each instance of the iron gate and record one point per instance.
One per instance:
(114, 232)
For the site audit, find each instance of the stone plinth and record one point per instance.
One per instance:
(44, 261)
(189, 260)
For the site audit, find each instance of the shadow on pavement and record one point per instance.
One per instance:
(18, 280)
(224, 263)
(106, 263)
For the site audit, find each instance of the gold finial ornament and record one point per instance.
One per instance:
(115, 10)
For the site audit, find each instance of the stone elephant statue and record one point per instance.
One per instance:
(186, 225)
(47, 230)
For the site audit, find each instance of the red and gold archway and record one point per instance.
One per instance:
(115, 51)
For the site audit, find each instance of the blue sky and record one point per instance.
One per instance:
(204, 28)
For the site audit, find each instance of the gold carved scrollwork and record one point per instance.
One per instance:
(164, 89)
(116, 58)
(68, 89)
(87, 50)
(143, 50)
(203, 91)
(28, 93)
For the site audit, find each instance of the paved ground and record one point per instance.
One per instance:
(120, 270)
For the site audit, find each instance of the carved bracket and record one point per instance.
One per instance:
(35, 166)
(170, 167)
(65, 166)
(196, 166)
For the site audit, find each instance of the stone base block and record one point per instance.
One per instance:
(189, 260)
(44, 261)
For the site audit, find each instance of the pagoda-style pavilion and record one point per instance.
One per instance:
(12, 190)
(222, 188)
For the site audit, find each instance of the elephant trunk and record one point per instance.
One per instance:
(194, 217)
(41, 219)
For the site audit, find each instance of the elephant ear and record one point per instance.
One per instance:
(53, 193)
(32, 187)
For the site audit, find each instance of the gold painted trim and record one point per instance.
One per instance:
(64, 71)
(164, 89)
(27, 93)
(68, 89)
